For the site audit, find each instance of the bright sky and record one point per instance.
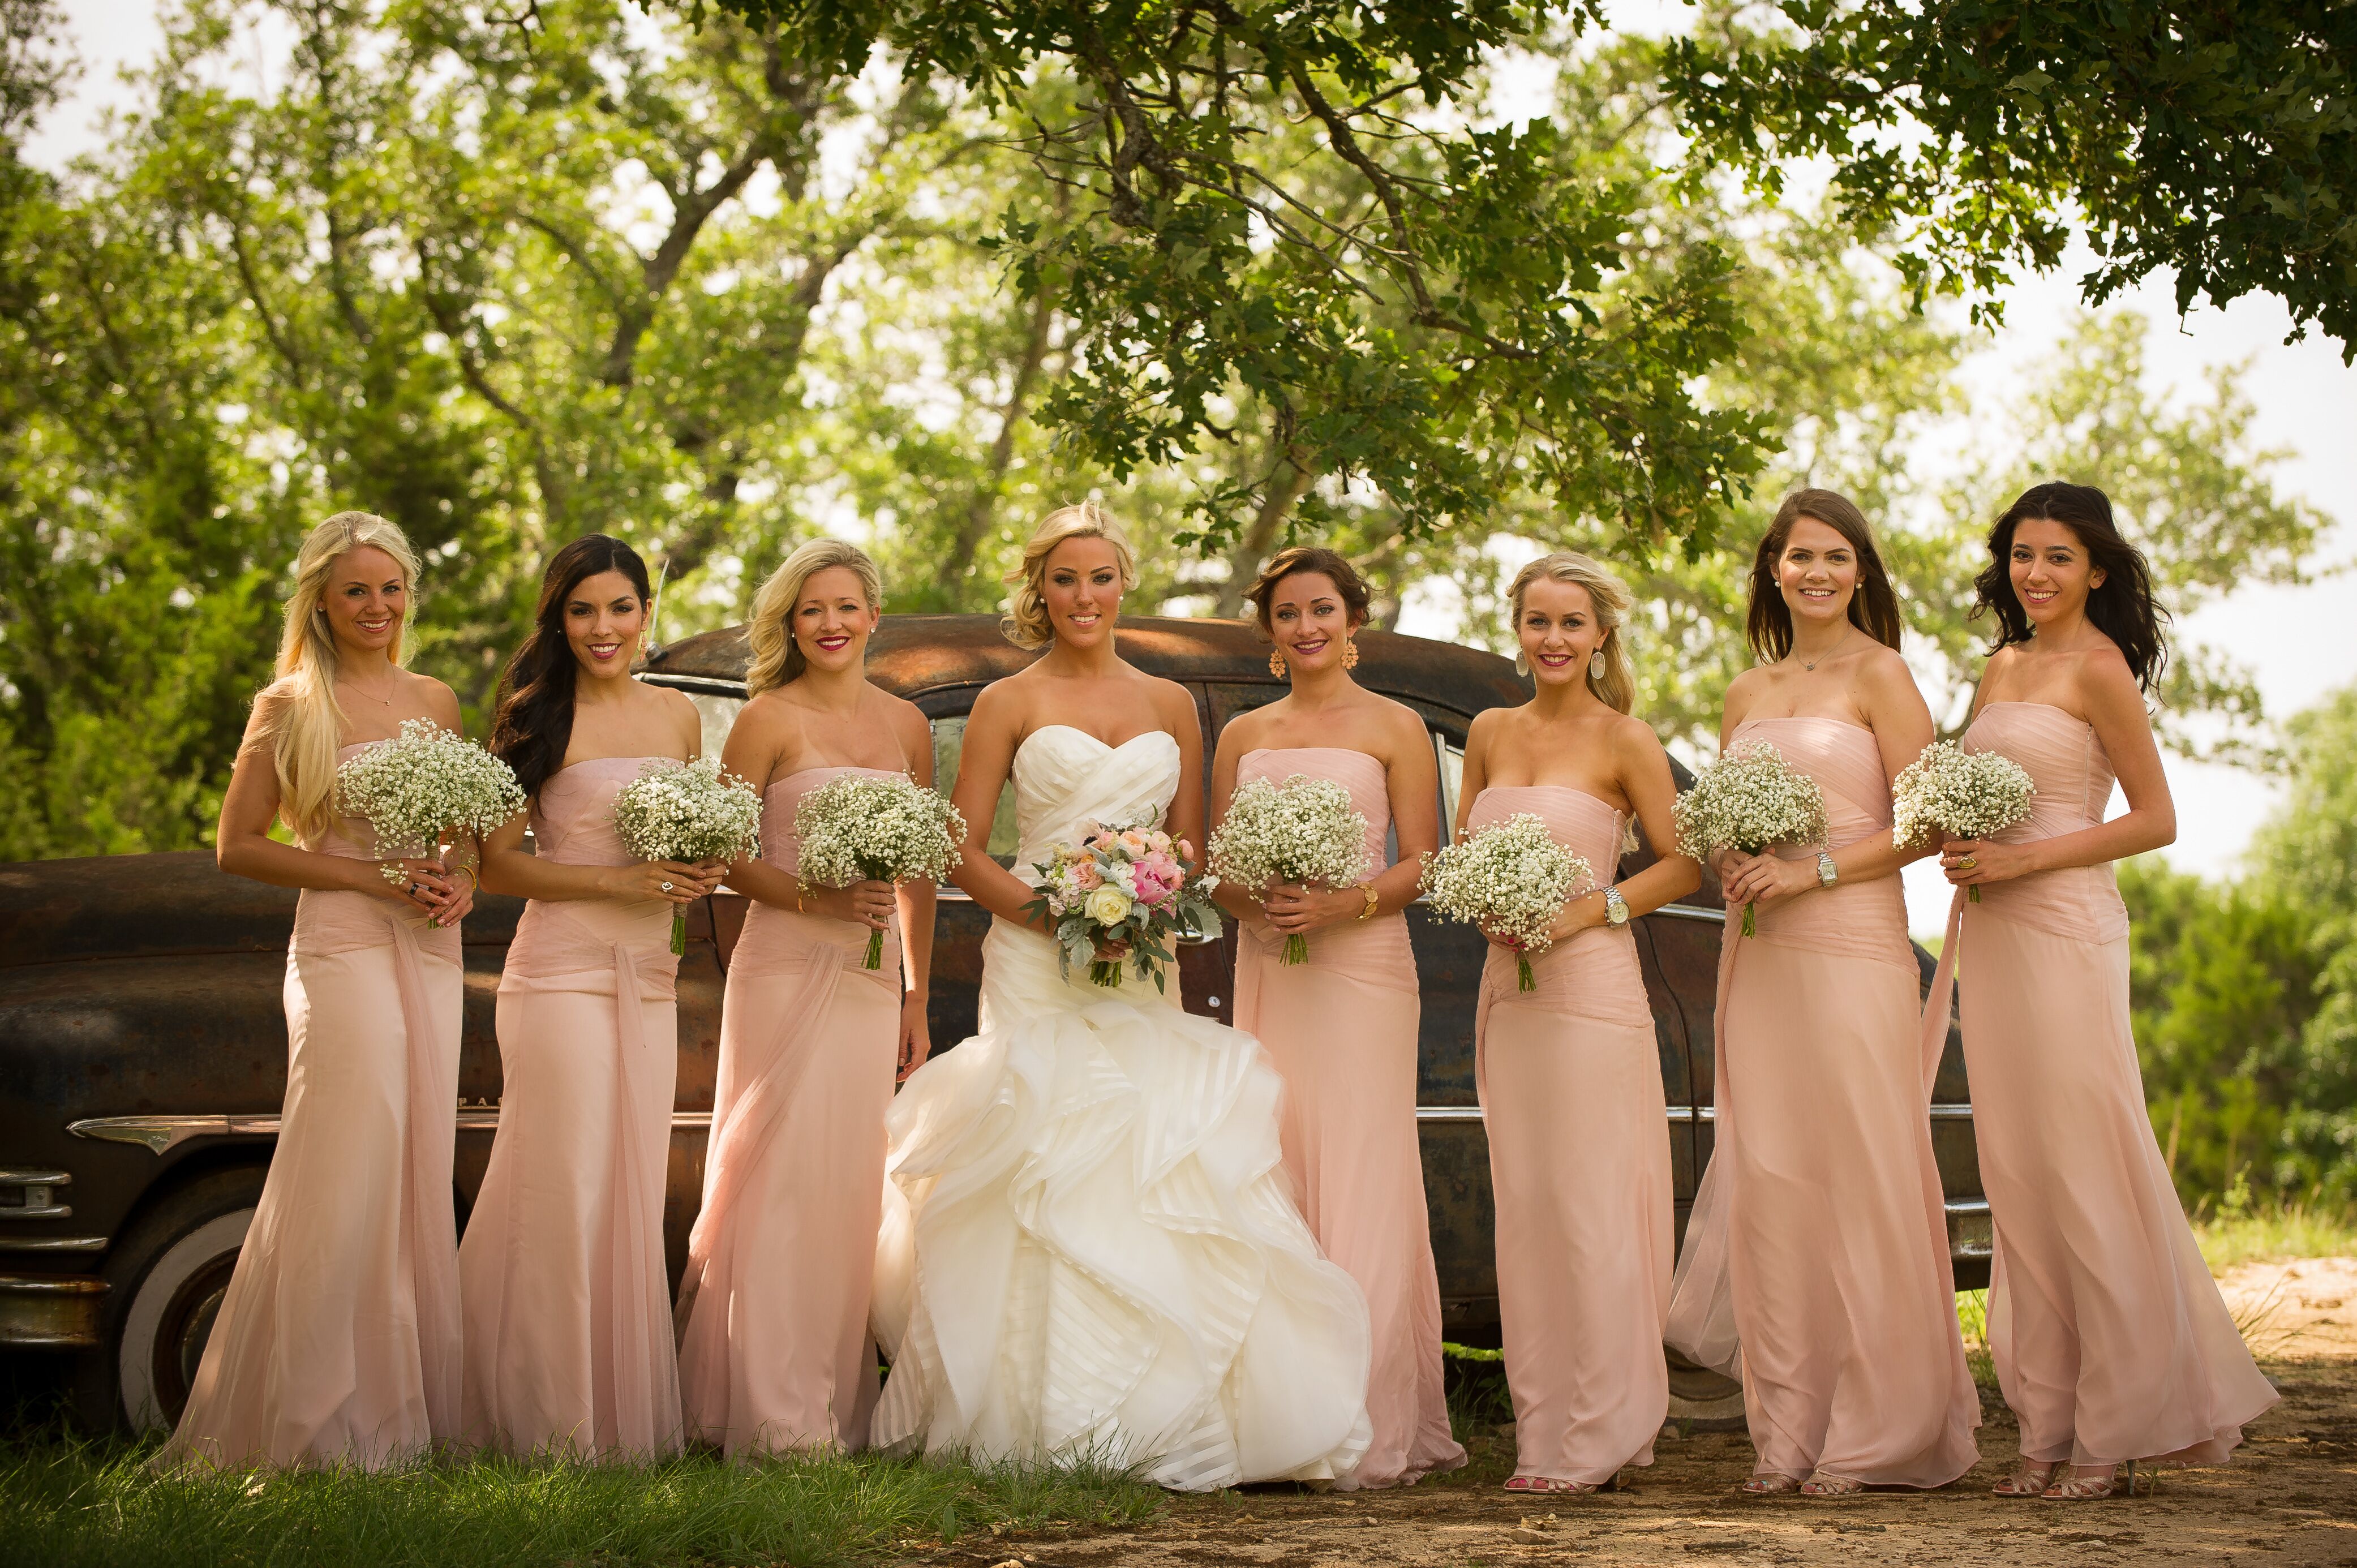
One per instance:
(2300, 640)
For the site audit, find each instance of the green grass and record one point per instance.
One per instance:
(2241, 1233)
(70, 1500)
(1972, 1318)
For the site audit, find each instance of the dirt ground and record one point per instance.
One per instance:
(2290, 1496)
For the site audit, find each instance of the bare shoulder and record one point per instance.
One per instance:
(1487, 723)
(679, 712)
(1747, 688)
(909, 722)
(1005, 705)
(1885, 678)
(2105, 682)
(440, 701)
(1400, 722)
(1633, 738)
(1173, 703)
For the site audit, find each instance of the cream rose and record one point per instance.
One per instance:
(1108, 906)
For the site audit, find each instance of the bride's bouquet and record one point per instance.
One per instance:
(688, 811)
(415, 791)
(1304, 831)
(1512, 879)
(1117, 885)
(1972, 794)
(1748, 800)
(852, 829)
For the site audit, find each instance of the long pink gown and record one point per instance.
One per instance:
(774, 1351)
(337, 1341)
(1570, 1080)
(1819, 1236)
(2110, 1339)
(567, 1317)
(1341, 1031)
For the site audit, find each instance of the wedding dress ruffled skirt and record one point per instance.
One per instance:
(1089, 1252)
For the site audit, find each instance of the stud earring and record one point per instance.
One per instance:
(1277, 663)
(1351, 653)
(1596, 665)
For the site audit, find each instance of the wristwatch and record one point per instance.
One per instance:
(1369, 912)
(1826, 875)
(1616, 908)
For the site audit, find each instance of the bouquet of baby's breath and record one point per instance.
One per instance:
(413, 791)
(1512, 879)
(1304, 831)
(876, 830)
(688, 811)
(1748, 800)
(1972, 794)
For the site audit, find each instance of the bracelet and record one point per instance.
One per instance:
(1369, 912)
(473, 881)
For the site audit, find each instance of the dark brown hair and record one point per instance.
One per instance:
(1300, 558)
(1872, 610)
(2122, 609)
(533, 724)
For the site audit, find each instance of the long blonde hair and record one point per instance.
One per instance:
(777, 657)
(1026, 623)
(1617, 687)
(309, 725)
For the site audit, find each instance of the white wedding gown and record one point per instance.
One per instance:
(1089, 1251)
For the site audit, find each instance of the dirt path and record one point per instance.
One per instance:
(2290, 1497)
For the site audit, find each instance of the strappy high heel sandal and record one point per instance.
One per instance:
(1556, 1487)
(2089, 1489)
(1769, 1486)
(2030, 1481)
(1822, 1483)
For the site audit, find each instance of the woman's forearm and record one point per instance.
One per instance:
(995, 888)
(520, 875)
(768, 884)
(917, 901)
(264, 859)
(2134, 834)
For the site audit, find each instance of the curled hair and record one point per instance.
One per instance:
(1617, 687)
(1293, 563)
(309, 725)
(1026, 623)
(2123, 608)
(1873, 608)
(534, 724)
(777, 657)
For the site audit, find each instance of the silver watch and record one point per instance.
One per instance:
(1616, 908)
(1826, 875)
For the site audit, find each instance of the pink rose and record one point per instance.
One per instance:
(1086, 877)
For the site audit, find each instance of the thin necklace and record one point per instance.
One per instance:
(1828, 653)
(371, 696)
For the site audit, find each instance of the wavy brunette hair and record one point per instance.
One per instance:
(1299, 558)
(534, 722)
(1873, 608)
(2123, 608)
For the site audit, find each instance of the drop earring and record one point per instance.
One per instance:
(1277, 663)
(1596, 665)
(1351, 653)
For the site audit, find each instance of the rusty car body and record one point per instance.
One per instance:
(144, 1040)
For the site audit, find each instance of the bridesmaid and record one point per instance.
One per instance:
(338, 1342)
(1821, 1206)
(1341, 1028)
(568, 1327)
(774, 1350)
(2110, 1339)
(1571, 1074)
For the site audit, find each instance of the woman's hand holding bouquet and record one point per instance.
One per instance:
(1121, 893)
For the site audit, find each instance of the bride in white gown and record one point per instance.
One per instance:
(1088, 1250)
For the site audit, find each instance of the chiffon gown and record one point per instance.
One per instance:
(569, 1324)
(774, 1352)
(1341, 1030)
(1817, 1261)
(1088, 1250)
(337, 1341)
(1570, 1081)
(2110, 1340)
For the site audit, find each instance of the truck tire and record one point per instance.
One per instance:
(166, 1277)
(1702, 1399)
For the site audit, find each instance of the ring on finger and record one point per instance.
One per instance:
(1969, 862)
(666, 886)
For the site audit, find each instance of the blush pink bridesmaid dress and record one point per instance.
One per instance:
(1817, 1261)
(1341, 1031)
(774, 1351)
(568, 1319)
(337, 1341)
(1570, 1080)
(2110, 1339)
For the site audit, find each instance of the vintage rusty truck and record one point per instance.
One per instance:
(144, 1043)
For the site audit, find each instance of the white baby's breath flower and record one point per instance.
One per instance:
(1972, 794)
(1304, 831)
(1750, 799)
(1512, 879)
(414, 791)
(854, 829)
(688, 811)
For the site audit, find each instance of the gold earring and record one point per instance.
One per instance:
(1350, 653)
(1277, 663)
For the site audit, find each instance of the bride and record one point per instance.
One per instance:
(1088, 1252)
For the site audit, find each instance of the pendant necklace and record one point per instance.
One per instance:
(1828, 653)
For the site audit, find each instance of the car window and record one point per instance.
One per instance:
(720, 715)
(949, 740)
(1451, 757)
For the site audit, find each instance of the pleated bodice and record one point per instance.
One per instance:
(1864, 920)
(629, 940)
(1594, 973)
(2072, 775)
(336, 920)
(1376, 952)
(775, 939)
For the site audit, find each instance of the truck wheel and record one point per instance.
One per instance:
(1699, 1396)
(166, 1278)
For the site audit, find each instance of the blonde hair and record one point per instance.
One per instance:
(777, 657)
(309, 724)
(1026, 623)
(1617, 687)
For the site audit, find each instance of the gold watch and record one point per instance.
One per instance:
(1369, 912)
